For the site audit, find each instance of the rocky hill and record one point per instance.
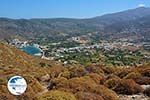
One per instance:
(15, 62)
(133, 22)
(54, 81)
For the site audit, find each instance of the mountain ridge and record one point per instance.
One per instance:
(49, 27)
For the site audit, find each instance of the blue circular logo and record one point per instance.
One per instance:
(17, 85)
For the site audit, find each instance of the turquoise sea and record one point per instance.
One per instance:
(32, 50)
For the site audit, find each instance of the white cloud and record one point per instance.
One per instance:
(141, 5)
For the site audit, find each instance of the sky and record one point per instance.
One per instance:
(65, 8)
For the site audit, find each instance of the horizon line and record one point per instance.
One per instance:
(3, 17)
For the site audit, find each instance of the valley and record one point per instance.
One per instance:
(101, 58)
(84, 51)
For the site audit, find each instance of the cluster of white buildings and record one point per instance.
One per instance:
(19, 44)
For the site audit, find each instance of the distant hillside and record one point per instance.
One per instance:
(126, 23)
(128, 15)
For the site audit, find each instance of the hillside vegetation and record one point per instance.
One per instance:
(50, 80)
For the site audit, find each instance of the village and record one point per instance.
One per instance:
(120, 52)
(81, 50)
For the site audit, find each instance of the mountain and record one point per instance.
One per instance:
(116, 25)
(128, 15)
(133, 22)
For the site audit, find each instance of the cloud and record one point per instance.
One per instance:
(141, 5)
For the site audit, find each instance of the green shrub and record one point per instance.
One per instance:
(109, 69)
(77, 72)
(3, 81)
(142, 80)
(99, 79)
(106, 93)
(127, 87)
(110, 76)
(66, 74)
(57, 95)
(133, 75)
(112, 83)
(88, 96)
(145, 72)
(122, 72)
(94, 69)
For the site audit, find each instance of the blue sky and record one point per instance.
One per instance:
(65, 8)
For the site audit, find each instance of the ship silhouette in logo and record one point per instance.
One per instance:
(17, 85)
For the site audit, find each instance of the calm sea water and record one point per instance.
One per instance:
(32, 50)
